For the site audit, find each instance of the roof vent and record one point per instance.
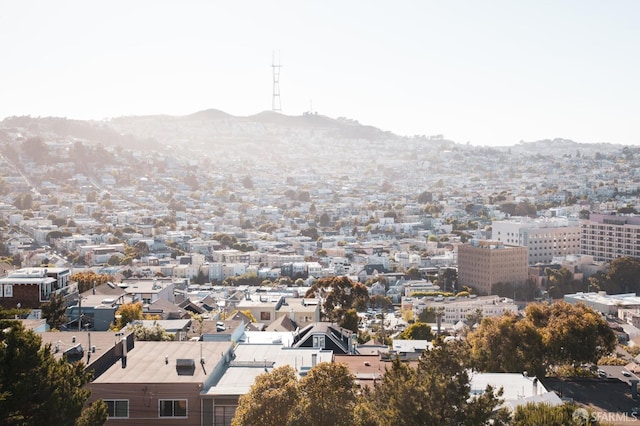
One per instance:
(185, 366)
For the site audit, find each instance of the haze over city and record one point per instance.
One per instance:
(487, 73)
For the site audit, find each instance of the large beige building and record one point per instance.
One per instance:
(546, 238)
(482, 263)
(606, 237)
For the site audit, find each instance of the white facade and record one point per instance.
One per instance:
(458, 309)
(545, 238)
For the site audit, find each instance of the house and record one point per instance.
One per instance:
(162, 382)
(518, 389)
(250, 360)
(324, 335)
(29, 287)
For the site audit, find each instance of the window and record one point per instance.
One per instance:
(173, 408)
(8, 290)
(117, 407)
(318, 342)
(223, 415)
(265, 316)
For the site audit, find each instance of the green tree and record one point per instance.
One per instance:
(94, 415)
(417, 331)
(270, 399)
(55, 311)
(507, 344)
(532, 414)
(436, 392)
(413, 274)
(350, 320)
(572, 334)
(328, 396)
(36, 388)
(340, 294)
(128, 313)
(156, 333)
(380, 301)
(86, 280)
(623, 276)
(547, 336)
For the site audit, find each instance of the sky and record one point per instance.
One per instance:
(488, 73)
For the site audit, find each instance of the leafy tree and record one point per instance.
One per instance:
(94, 415)
(507, 344)
(380, 301)
(413, 274)
(417, 331)
(327, 396)
(35, 387)
(449, 277)
(86, 280)
(532, 414)
(547, 336)
(128, 313)
(325, 220)
(247, 182)
(350, 320)
(156, 333)
(55, 311)
(572, 334)
(270, 399)
(436, 392)
(623, 276)
(340, 294)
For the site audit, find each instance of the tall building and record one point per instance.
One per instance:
(482, 263)
(546, 238)
(606, 237)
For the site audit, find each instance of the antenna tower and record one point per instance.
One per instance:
(275, 66)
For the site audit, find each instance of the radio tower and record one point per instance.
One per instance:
(275, 102)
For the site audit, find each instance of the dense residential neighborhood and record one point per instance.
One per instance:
(251, 244)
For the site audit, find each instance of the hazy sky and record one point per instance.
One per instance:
(484, 72)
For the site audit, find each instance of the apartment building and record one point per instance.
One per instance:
(546, 238)
(483, 263)
(606, 237)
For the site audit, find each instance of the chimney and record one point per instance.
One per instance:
(314, 360)
(292, 315)
(124, 352)
(634, 388)
(535, 386)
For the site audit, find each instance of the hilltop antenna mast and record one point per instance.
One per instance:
(275, 102)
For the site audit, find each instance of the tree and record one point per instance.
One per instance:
(548, 336)
(94, 415)
(623, 276)
(55, 311)
(327, 396)
(35, 387)
(413, 274)
(572, 334)
(128, 313)
(350, 320)
(417, 331)
(380, 301)
(270, 399)
(340, 294)
(436, 392)
(86, 280)
(532, 414)
(247, 182)
(156, 333)
(507, 344)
